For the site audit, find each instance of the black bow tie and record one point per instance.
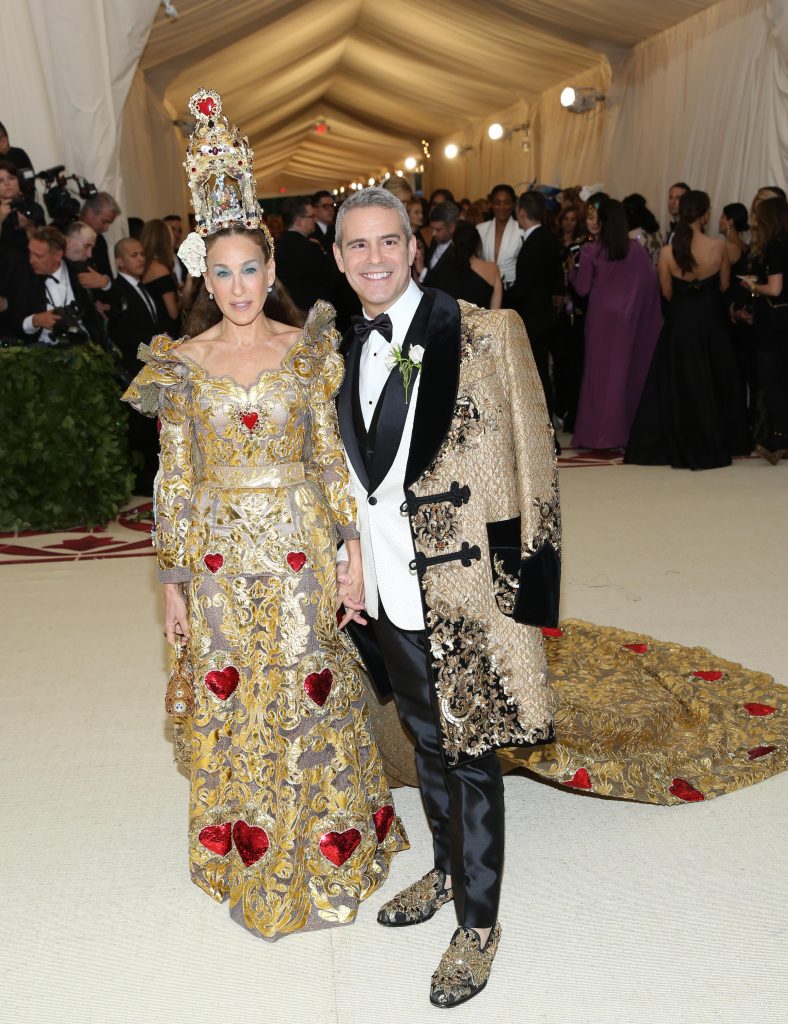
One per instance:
(382, 324)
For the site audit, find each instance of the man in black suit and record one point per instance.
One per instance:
(99, 212)
(301, 265)
(440, 270)
(324, 209)
(133, 322)
(51, 285)
(537, 281)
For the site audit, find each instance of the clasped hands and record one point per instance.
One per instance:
(350, 592)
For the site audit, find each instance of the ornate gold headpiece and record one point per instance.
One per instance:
(221, 179)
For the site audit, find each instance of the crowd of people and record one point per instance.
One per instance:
(671, 345)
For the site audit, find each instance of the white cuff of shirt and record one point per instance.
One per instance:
(342, 554)
(27, 325)
(108, 285)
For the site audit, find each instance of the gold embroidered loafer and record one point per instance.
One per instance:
(465, 967)
(418, 902)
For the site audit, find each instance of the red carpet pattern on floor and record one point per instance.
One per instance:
(128, 536)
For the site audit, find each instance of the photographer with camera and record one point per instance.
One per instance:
(54, 308)
(12, 154)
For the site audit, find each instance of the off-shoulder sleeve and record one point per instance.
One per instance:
(326, 458)
(160, 389)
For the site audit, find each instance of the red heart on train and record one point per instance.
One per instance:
(759, 752)
(249, 420)
(580, 780)
(338, 846)
(759, 710)
(710, 677)
(684, 791)
(251, 842)
(552, 631)
(206, 105)
(318, 686)
(296, 560)
(217, 838)
(214, 562)
(383, 818)
(637, 648)
(223, 682)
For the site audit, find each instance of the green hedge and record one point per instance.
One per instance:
(64, 454)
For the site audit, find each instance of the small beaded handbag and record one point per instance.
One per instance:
(179, 698)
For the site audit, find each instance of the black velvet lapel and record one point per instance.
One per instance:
(388, 422)
(440, 380)
(351, 349)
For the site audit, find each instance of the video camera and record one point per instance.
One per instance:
(61, 203)
(69, 330)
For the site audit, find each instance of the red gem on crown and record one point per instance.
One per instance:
(206, 105)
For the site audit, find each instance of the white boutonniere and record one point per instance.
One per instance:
(406, 364)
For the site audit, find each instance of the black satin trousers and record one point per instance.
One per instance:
(464, 805)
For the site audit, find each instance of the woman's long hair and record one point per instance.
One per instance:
(692, 206)
(613, 232)
(156, 241)
(467, 242)
(278, 305)
(771, 220)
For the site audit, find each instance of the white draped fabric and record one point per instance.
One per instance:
(64, 76)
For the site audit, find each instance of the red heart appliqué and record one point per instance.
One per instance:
(757, 752)
(214, 562)
(223, 682)
(217, 838)
(637, 648)
(338, 846)
(552, 632)
(251, 842)
(710, 677)
(383, 818)
(206, 105)
(318, 686)
(684, 791)
(759, 710)
(296, 560)
(580, 780)
(249, 420)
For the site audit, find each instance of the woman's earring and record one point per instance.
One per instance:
(210, 296)
(270, 287)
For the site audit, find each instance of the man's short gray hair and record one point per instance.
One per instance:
(101, 201)
(367, 198)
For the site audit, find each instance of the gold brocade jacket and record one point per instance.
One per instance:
(481, 494)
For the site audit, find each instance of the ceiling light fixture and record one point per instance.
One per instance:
(452, 151)
(498, 131)
(411, 163)
(579, 101)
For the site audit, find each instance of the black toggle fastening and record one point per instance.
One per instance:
(465, 556)
(456, 495)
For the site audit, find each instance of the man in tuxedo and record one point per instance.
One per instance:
(174, 222)
(80, 240)
(99, 212)
(51, 285)
(324, 209)
(675, 192)
(301, 264)
(440, 270)
(133, 322)
(452, 466)
(536, 283)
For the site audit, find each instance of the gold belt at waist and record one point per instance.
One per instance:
(283, 474)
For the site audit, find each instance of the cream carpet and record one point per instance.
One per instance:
(612, 912)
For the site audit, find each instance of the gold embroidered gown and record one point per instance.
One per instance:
(291, 817)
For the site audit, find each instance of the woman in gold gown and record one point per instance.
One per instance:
(291, 818)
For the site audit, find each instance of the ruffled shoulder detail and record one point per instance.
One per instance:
(163, 369)
(320, 326)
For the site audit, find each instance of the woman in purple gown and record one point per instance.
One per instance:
(622, 327)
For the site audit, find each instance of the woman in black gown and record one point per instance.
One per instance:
(770, 292)
(478, 280)
(692, 413)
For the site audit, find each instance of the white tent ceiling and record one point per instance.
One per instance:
(384, 75)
